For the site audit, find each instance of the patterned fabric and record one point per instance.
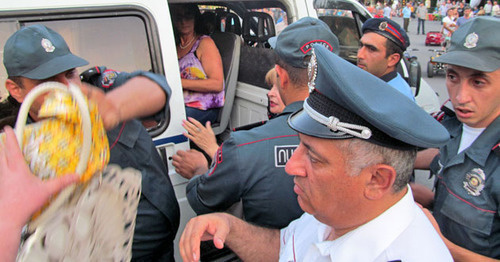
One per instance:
(191, 68)
(51, 145)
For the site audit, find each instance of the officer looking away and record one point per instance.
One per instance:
(351, 172)
(250, 165)
(467, 194)
(382, 46)
(36, 54)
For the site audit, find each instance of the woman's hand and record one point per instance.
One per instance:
(202, 136)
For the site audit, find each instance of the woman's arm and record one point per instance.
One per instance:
(211, 61)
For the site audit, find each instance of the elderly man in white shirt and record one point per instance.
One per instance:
(358, 142)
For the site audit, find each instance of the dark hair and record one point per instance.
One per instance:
(298, 76)
(16, 79)
(188, 9)
(392, 48)
(9, 109)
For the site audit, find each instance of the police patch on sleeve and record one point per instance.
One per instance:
(217, 160)
(282, 154)
(108, 78)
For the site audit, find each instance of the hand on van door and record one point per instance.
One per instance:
(202, 136)
(189, 163)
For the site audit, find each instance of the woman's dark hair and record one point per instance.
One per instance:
(191, 9)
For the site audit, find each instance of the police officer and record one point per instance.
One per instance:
(36, 54)
(466, 202)
(351, 172)
(382, 46)
(250, 165)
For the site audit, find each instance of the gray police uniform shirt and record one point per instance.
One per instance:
(158, 213)
(250, 166)
(395, 80)
(468, 190)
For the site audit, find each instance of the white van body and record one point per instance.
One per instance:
(132, 35)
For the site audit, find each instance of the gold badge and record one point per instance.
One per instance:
(47, 45)
(474, 181)
(471, 40)
(312, 71)
(382, 26)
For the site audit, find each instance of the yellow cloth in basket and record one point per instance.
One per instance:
(52, 146)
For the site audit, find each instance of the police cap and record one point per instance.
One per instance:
(348, 102)
(38, 52)
(475, 45)
(388, 29)
(295, 42)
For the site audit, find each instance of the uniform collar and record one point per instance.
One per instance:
(292, 107)
(392, 222)
(389, 76)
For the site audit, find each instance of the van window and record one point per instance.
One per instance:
(101, 40)
(342, 24)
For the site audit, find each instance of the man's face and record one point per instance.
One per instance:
(475, 95)
(372, 54)
(323, 184)
(67, 77)
(467, 12)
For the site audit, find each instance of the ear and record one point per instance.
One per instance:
(393, 60)
(14, 90)
(380, 181)
(283, 76)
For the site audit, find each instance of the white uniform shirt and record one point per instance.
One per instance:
(402, 232)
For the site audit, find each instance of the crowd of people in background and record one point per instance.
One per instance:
(438, 10)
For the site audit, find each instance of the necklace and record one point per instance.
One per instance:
(188, 43)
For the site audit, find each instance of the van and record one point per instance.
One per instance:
(130, 35)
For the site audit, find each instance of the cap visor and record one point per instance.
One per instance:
(469, 60)
(56, 66)
(301, 122)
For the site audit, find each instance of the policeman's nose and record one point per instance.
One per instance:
(462, 94)
(361, 52)
(295, 165)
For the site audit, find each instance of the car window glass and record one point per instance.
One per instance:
(101, 41)
(342, 24)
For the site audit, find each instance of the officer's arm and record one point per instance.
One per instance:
(461, 254)
(249, 242)
(458, 253)
(124, 96)
(138, 97)
(223, 184)
(425, 157)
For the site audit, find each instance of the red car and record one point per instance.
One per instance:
(434, 38)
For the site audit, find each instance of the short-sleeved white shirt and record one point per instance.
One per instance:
(402, 232)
